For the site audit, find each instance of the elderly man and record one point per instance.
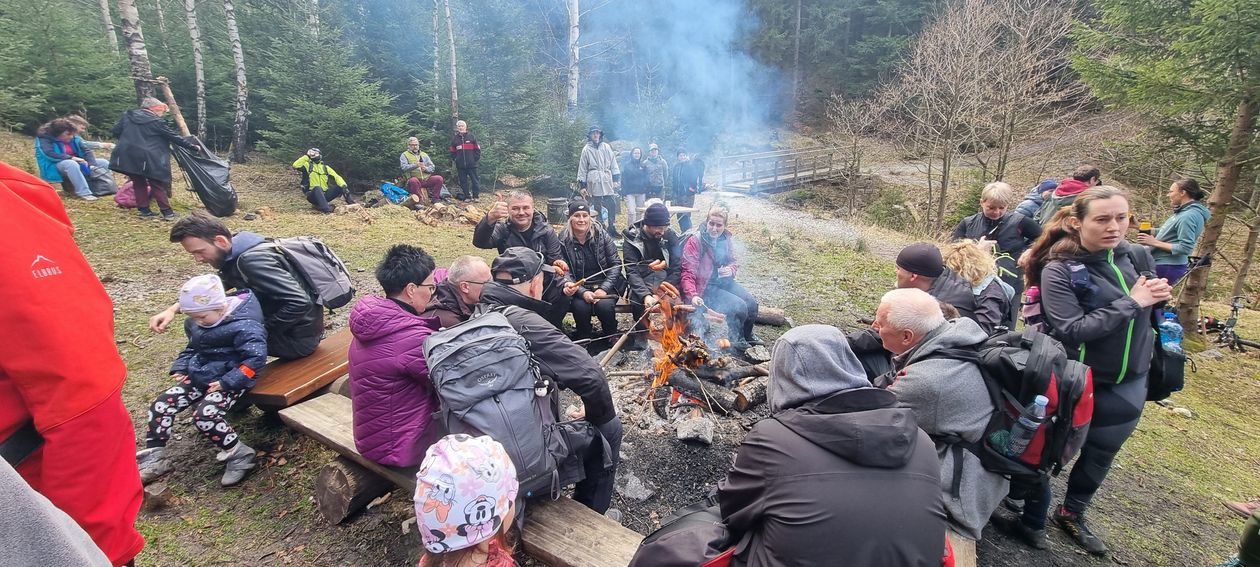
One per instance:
(652, 254)
(513, 222)
(1007, 234)
(518, 281)
(948, 396)
(418, 170)
(459, 292)
(600, 175)
(831, 429)
(466, 154)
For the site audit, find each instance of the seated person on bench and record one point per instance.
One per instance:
(227, 344)
(456, 295)
(652, 255)
(392, 397)
(295, 323)
(589, 250)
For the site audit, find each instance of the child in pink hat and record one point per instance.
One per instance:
(465, 501)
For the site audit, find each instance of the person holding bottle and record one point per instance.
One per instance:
(1104, 327)
(1173, 243)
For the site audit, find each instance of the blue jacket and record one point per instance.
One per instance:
(230, 352)
(1182, 231)
(49, 151)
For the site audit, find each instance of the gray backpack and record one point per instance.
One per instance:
(319, 269)
(486, 379)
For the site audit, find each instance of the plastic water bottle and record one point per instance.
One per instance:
(1170, 332)
(1025, 427)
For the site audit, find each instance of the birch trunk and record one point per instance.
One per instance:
(312, 18)
(194, 33)
(450, 37)
(574, 71)
(240, 122)
(162, 38)
(109, 26)
(1228, 171)
(437, 69)
(137, 52)
(796, 62)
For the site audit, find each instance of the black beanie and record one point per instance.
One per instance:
(922, 258)
(578, 205)
(657, 215)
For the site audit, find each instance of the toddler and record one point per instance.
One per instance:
(465, 500)
(227, 344)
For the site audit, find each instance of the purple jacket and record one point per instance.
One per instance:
(390, 391)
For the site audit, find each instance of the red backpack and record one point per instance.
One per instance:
(1017, 367)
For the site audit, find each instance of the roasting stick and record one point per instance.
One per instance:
(624, 336)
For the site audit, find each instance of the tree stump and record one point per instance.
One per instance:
(751, 394)
(773, 317)
(343, 488)
(714, 397)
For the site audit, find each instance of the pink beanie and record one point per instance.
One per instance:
(465, 488)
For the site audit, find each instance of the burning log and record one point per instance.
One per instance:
(751, 394)
(718, 399)
(773, 317)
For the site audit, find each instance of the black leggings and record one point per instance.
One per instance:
(605, 309)
(319, 198)
(1117, 409)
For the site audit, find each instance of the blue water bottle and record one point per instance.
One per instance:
(1170, 333)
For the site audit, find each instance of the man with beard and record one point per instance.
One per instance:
(653, 254)
(294, 322)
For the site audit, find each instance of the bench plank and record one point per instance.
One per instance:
(561, 533)
(281, 384)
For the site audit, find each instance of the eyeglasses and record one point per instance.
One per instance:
(479, 283)
(432, 287)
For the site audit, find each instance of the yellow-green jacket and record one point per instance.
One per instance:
(316, 174)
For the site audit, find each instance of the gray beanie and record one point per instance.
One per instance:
(811, 362)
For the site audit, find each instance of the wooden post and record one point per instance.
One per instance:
(343, 488)
(170, 101)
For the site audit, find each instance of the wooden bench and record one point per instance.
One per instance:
(283, 383)
(561, 533)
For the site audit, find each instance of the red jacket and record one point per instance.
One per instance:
(57, 326)
(698, 263)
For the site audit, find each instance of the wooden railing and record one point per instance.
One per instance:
(770, 171)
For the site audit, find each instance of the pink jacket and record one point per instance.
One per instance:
(698, 263)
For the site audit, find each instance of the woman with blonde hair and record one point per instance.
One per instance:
(709, 267)
(975, 265)
(1006, 233)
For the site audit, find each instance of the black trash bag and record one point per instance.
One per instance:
(208, 177)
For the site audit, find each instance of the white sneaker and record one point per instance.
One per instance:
(89, 197)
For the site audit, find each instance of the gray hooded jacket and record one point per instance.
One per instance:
(949, 399)
(840, 475)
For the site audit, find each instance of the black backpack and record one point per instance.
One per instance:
(1017, 367)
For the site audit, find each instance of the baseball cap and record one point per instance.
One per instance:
(521, 263)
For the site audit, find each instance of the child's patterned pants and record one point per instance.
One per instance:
(208, 412)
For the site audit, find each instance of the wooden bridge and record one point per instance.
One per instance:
(778, 170)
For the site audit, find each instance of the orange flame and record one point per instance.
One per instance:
(669, 334)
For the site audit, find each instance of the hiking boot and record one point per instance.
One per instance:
(146, 214)
(151, 464)
(754, 340)
(169, 215)
(1244, 509)
(237, 463)
(1074, 525)
(1017, 529)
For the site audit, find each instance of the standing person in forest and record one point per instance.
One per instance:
(600, 175)
(1107, 326)
(465, 153)
(1084, 177)
(686, 179)
(1174, 242)
(634, 184)
(995, 228)
(143, 154)
(657, 172)
(320, 182)
(418, 169)
(63, 425)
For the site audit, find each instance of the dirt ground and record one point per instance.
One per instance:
(1160, 506)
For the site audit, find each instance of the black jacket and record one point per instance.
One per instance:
(1013, 233)
(638, 255)
(1101, 320)
(558, 358)
(687, 178)
(846, 480)
(952, 289)
(600, 245)
(294, 321)
(634, 176)
(144, 145)
(501, 236)
(220, 352)
(465, 151)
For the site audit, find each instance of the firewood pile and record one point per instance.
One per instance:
(432, 214)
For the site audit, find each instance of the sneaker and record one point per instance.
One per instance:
(1014, 527)
(1074, 525)
(1233, 562)
(147, 215)
(613, 514)
(754, 340)
(237, 463)
(169, 215)
(1013, 505)
(89, 197)
(151, 464)
(1244, 509)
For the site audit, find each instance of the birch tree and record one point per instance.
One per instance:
(574, 50)
(137, 52)
(437, 68)
(199, 70)
(240, 123)
(110, 34)
(450, 37)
